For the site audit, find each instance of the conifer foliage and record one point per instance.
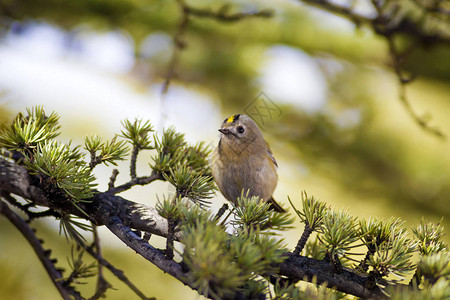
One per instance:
(243, 257)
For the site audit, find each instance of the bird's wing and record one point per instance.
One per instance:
(271, 157)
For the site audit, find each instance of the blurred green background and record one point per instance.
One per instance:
(338, 131)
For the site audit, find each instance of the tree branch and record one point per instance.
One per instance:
(340, 10)
(117, 272)
(16, 180)
(318, 271)
(155, 256)
(387, 25)
(114, 212)
(188, 11)
(66, 292)
(303, 239)
(134, 181)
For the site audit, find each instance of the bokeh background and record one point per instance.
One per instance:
(335, 122)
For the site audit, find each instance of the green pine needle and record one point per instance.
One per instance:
(191, 185)
(110, 151)
(315, 249)
(339, 232)
(197, 158)
(251, 212)
(26, 132)
(169, 151)
(393, 257)
(313, 211)
(374, 232)
(429, 236)
(79, 269)
(70, 227)
(63, 167)
(435, 266)
(138, 133)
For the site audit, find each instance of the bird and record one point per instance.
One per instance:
(243, 162)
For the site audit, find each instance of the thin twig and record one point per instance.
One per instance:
(382, 24)
(221, 211)
(342, 11)
(116, 272)
(223, 15)
(188, 11)
(25, 208)
(136, 181)
(112, 179)
(179, 45)
(397, 58)
(147, 236)
(95, 160)
(66, 292)
(102, 284)
(170, 238)
(303, 239)
(134, 154)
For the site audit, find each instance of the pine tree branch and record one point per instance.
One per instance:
(65, 291)
(304, 238)
(15, 179)
(155, 256)
(102, 284)
(134, 154)
(114, 212)
(318, 271)
(135, 181)
(112, 179)
(117, 272)
(340, 10)
(25, 208)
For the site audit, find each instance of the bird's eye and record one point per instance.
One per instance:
(240, 129)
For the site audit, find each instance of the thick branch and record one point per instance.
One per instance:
(115, 212)
(16, 180)
(347, 281)
(150, 253)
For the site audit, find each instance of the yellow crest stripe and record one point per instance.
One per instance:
(232, 118)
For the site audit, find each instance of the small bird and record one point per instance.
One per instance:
(244, 162)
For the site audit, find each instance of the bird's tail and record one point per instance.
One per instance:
(275, 206)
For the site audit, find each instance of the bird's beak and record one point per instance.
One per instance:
(226, 131)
